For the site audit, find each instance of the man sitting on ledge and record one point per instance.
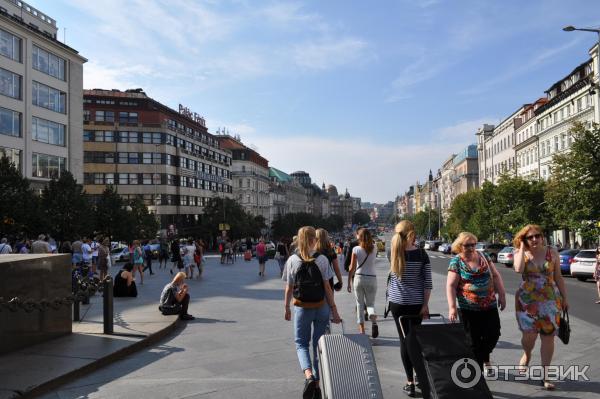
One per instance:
(175, 299)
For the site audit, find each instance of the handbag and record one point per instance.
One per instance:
(564, 328)
(386, 309)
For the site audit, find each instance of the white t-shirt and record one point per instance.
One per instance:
(368, 267)
(87, 251)
(294, 262)
(5, 249)
(94, 247)
(189, 254)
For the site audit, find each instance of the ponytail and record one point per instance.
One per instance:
(405, 235)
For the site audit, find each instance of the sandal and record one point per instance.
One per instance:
(409, 389)
(547, 385)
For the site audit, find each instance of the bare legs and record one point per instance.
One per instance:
(546, 352)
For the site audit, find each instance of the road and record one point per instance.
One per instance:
(241, 347)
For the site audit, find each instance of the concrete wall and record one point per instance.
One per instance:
(35, 277)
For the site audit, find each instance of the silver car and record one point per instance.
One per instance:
(505, 256)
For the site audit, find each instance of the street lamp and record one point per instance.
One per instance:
(596, 67)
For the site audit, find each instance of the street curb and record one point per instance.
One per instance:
(48, 386)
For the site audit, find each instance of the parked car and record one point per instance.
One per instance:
(491, 249)
(432, 245)
(119, 255)
(567, 256)
(505, 256)
(583, 264)
(445, 248)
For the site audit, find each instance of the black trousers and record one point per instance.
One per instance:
(185, 302)
(483, 328)
(405, 310)
(148, 264)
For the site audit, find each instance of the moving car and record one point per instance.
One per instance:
(584, 264)
(445, 248)
(119, 255)
(567, 256)
(505, 256)
(491, 249)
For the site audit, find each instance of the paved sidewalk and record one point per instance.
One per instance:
(137, 324)
(240, 347)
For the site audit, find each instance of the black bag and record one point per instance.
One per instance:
(308, 283)
(564, 329)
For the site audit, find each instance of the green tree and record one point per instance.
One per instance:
(19, 206)
(112, 219)
(143, 223)
(361, 217)
(573, 191)
(461, 214)
(332, 223)
(67, 210)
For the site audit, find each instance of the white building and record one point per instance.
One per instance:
(569, 100)
(526, 141)
(41, 96)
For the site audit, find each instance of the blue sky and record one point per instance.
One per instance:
(365, 95)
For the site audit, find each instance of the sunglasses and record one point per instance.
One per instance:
(468, 245)
(537, 236)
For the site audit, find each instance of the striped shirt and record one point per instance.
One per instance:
(410, 290)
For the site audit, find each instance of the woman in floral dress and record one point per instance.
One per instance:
(541, 295)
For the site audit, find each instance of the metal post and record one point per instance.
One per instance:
(107, 293)
(76, 316)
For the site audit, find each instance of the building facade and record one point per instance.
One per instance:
(150, 151)
(286, 195)
(568, 101)
(526, 141)
(250, 177)
(41, 94)
(466, 171)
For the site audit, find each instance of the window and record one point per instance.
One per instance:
(10, 84)
(105, 116)
(563, 141)
(48, 63)
(128, 117)
(48, 132)
(147, 178)
(105, 136)
(147, 157)
(109, 178)
(10, 46)
(183, 200)
(133, 157)
(10, 122)
(123, 178)
(555, 143)
(133, 178)
(128, 137)
(48, 97)
(86, 115)
(47, 166)
(109, 157)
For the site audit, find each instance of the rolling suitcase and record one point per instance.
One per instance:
(248, 255)
(348, 368)
(443, 360)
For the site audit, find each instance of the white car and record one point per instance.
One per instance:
(584, 264)
(119, 255)
(506, 256)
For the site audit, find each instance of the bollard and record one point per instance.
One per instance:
(76, 311)
(107, 299)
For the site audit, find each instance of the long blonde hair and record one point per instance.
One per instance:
(323, 245)
(405, 235)
(306, 236)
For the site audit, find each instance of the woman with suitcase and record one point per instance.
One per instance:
(473, 282)
(307, 276)
(409, 288)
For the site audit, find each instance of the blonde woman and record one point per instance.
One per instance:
(307, 281)
(324, 248)
(473, 282)
(541, 295)
(138, 260)
(409, 288)
(363, 278)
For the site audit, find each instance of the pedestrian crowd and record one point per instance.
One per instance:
(475, 294)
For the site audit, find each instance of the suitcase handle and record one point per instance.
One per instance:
(341, 323)
(416, 316)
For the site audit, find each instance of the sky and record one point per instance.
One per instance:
(365, 95)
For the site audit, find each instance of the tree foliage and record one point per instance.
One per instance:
(112, 219)
(573, 194)
(19, 206)
(426, 223)
(361, 217)
(241, 223)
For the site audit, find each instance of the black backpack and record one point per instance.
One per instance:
(309, 290)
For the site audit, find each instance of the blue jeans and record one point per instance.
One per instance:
(306, 320)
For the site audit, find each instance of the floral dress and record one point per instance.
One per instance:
(538, 301)
(597, 271)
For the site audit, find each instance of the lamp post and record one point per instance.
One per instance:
(596, 67)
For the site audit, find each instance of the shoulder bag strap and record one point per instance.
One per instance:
(363, 262)
(491, 270)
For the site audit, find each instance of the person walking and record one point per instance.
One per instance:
(199, 256)
(163, 254)
(362, 278)
(324, 247)
(148, 256)
(5, 248)
(138, 260)
(188, 258)
(597, 273)
(309, 315)
(409, 288)
(538, 302)
(261, 255)
(282, 255)
(176, 260)
(103, 258)
(473, 282)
